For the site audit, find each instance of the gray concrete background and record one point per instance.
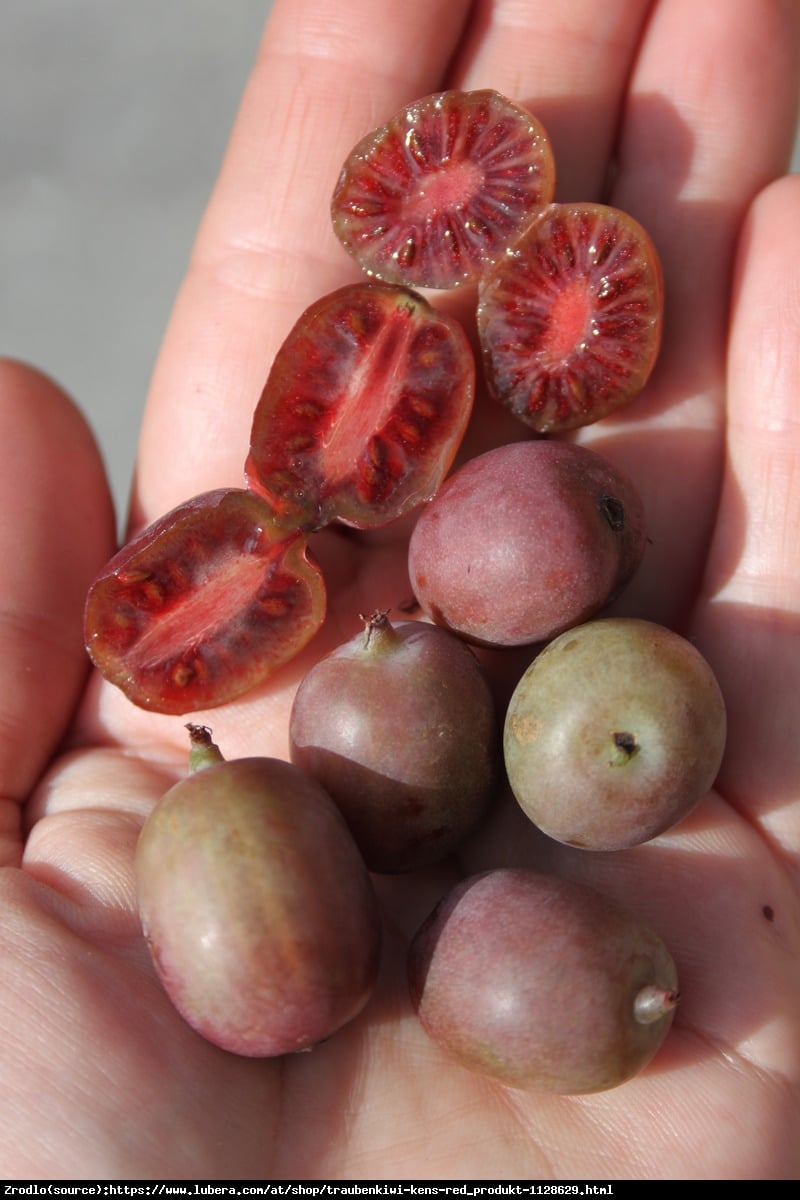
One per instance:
(114, 120)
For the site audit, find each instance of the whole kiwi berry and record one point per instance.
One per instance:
(542, 983)
(260, 915)
(614, 733)
(399, 726)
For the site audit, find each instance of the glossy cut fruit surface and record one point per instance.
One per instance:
(524, 541)
(399, 726)
(203, 604)
(614, 733)
(542, 983)
(570, 322)
(363, 410)
(440, 191)
(258, 910)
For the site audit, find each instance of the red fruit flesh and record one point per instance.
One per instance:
(570, 322)
(363, 410)
(438, 193)
(203, 605)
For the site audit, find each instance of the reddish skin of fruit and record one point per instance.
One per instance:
(363, 410)
(614, 733)
(525, 541)
(438, 193)
(399, 726)
(203, 605)
(537, 982)
(259, 912)
(570, 322)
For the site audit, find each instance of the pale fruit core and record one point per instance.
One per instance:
(230, 584)
(569, 324)
(449, 189)
(373, 392)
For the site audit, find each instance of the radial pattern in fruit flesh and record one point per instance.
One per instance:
(570, 322)
(439, 192)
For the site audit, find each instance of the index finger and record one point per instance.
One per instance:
(266, 249)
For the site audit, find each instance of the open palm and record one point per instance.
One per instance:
(694, 107)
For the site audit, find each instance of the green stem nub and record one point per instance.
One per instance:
(379, 633)
(652, 1003)
(203, 751)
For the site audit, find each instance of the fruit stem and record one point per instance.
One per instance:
(203, 751)
(652, 1003)
(379, 633)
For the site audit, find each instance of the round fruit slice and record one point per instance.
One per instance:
(203, 605)
(363, 410)
(440, 191)
(570, 321)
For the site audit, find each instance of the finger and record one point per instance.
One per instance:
(83, 824)
(56, 530)
(750, 620)
(699, 137)
(324, 77)
(569, 63)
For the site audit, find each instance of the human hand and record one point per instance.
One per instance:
(102, 1079)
